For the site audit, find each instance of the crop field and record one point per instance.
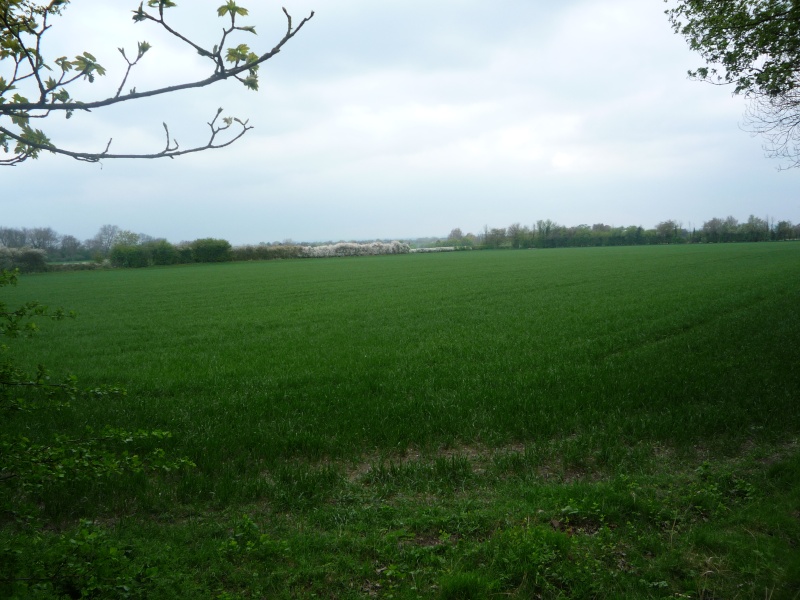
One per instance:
(576, 423)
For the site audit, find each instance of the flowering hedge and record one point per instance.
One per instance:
(439, 249)
(354, 249)
(27, 260)
(212, 250)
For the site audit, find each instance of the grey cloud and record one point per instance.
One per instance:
(395, 118)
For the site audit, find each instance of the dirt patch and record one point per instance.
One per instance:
(479, 456)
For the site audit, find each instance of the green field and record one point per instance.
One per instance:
(610, 422)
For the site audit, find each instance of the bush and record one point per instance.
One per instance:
(163, 253)
(183, 252)
(210, 250)
(27, 260)
(130, 256)
(80, 562)
(265, 252)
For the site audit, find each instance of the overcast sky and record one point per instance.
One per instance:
(404, 118)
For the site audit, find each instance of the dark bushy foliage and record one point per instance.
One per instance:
(130, 256)
(27, 260)
(163, 253)
(158, 252)
(265, 252)
(210, 250)
(184, 253)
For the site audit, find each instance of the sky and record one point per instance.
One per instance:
(402, 119)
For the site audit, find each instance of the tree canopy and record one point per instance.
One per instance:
(754, 46)
(35, 86)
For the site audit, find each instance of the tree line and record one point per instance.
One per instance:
(68, 248)
(31, 249)
(549, 234)
(42, 248)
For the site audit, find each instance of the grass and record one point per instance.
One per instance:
(612, 422)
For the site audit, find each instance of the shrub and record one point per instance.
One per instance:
(163, 253)
(265, 252)
(130, 256)
(184, 253)
(210, 250)
(27, 260)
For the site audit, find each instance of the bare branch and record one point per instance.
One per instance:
(171, 149)
(200, 50)
(777, 120)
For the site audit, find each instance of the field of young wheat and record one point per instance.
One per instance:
(546, 423)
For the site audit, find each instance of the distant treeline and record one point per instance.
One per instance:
(38, 248)
(161, 252)
(42, 249)
(548, 234)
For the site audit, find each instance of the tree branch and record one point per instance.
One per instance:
(221, 76)
(171, 149)
(30, 142)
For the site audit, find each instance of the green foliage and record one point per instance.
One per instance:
(18, 321)
(210, 250)
(265, 252)
(157, 252)
(184, 254)
(40, 86)
(756, 43)
(163, 253)
(30, 465)
(230, 8)
(84, 562)
(126, 238)
(130, 256)
(753, 45)
(464, 586)
(27, 260)
(529, 557)
(548, 234)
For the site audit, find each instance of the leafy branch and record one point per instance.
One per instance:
(32, 465)
(23, 25)
(15, 322)
(753, 46)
